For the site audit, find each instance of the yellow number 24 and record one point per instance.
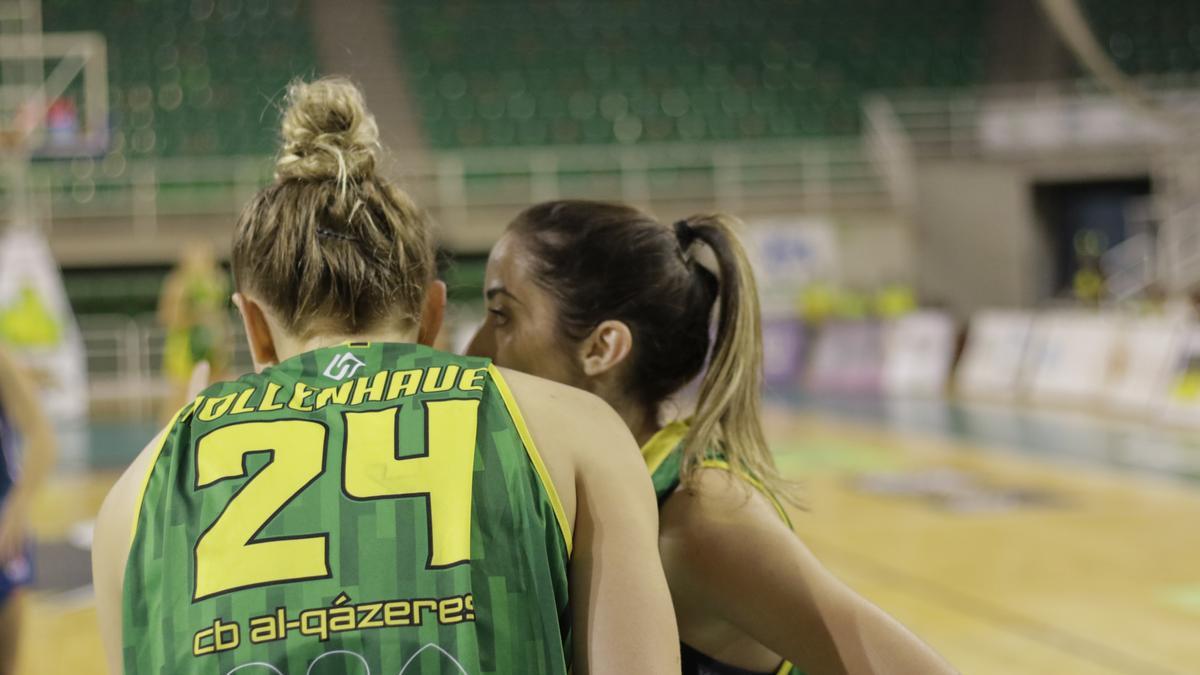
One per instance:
(229, 556)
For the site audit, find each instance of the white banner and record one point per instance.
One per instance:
(1138, 376)
(918, 353)
(847, 357)
(1070, 363)
(788, 254)
(37, 325)
(1183, 392)
(991, 363)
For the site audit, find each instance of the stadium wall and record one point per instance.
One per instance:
(974, 226)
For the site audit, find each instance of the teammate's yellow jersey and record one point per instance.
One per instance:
(367, 508)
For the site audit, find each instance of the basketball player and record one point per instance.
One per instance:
(192, 309)
(602, 297)
(363, 503)
(22, 423)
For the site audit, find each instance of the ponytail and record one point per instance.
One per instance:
(728, 414)
(605, 261)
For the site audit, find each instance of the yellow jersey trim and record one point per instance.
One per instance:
(724, 465)
(535, 458)
(661, 444)
(166, 434)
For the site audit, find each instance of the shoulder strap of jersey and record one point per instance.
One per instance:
(535, 458)
(668, 444)
(714, 463)
(180, 414)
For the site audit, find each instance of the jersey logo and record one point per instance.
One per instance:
(342, 366)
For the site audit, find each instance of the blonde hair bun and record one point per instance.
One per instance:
(327, 132)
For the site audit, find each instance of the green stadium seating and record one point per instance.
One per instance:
(201, 77)
(194, 77)
(1148, 38)
(535, 72)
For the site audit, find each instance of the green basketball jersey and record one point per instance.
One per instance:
(366, 508)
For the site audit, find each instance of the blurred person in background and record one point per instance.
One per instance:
(193, 310)
(1088, 285)
(361, 480)
(605, 298)
(27, 451)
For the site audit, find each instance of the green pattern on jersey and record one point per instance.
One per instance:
(502, 611)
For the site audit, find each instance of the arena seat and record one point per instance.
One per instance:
(710, 71)
(190, 77)
(1150, 38)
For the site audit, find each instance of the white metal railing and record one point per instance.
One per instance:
(891, 150)
(812, 174)
(125, 356)
(1051, 121)
(125, 360)
(1042, 118)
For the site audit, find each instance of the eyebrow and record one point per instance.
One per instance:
(500, 290)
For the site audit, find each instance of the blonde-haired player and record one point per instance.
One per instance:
(363, 503)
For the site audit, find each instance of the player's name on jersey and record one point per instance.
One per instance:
(387, 385)
(325, 622)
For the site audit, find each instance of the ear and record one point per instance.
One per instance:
(432, 313)
(607, 347)
(258, 332)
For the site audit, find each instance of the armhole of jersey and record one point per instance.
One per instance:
(535, 458)
(725, 466)
(141, 496)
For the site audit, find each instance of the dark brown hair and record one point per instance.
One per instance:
(605, 261)
(331, 245)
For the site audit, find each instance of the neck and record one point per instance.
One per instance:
(321, 341)
(641, 421)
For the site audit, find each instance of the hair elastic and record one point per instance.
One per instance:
(322, 232)
(684, 233)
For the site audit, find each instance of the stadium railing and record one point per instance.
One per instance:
(800, 175)
(125, 362)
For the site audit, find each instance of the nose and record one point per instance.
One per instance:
(482, 343)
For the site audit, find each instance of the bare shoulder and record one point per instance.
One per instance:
(719, 497)
(115, 521)
(562, 418)
(720, 510)
(584, 443)
(547, 395)
(110, 547)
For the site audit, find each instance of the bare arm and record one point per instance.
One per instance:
(623, 621)
(110, 551)
(113, 537)
(729, 554)
(20, 399)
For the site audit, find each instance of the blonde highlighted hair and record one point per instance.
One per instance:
(331, 245)
(728, 415)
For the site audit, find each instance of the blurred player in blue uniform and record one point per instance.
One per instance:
(26, 455)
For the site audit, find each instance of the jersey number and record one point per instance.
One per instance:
(229, 555)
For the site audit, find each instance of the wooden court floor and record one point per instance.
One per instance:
(1005, 562)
